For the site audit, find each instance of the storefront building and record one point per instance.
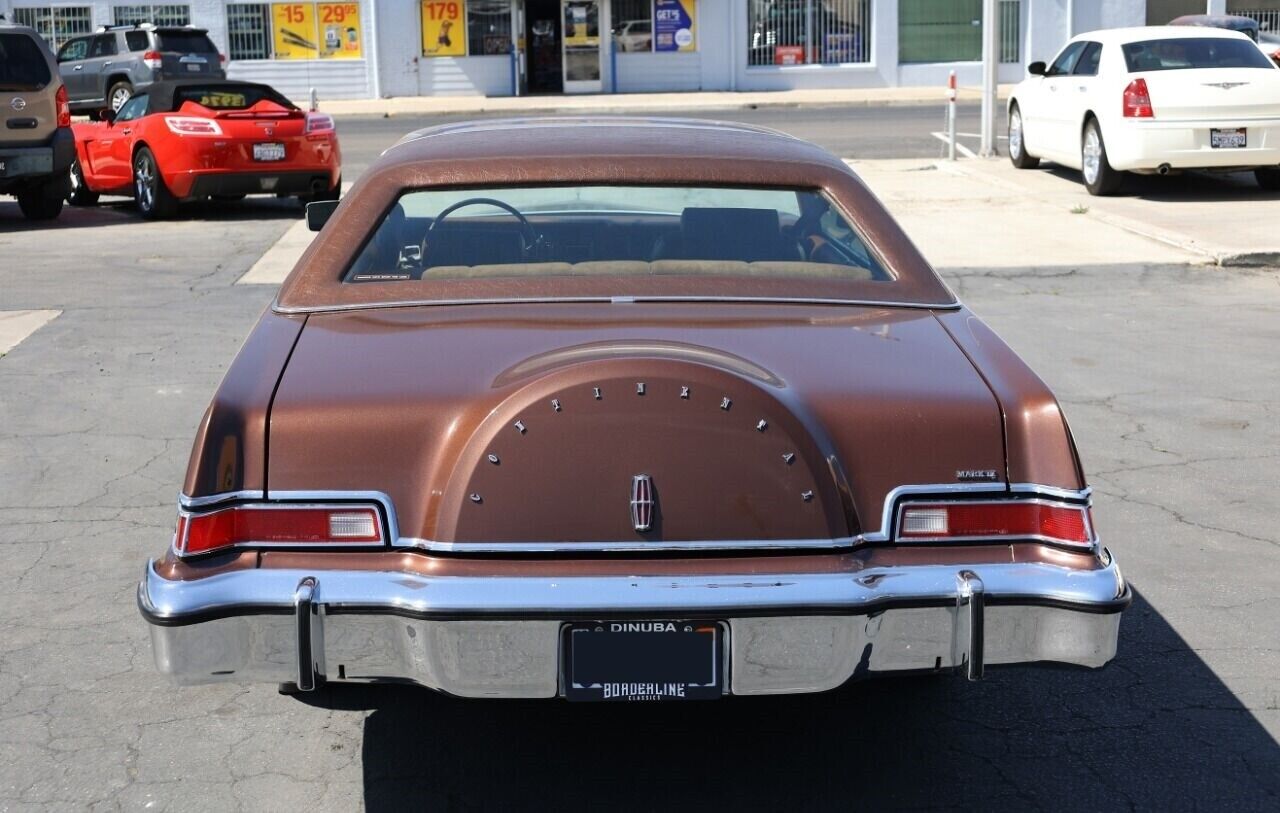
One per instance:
(383, 48)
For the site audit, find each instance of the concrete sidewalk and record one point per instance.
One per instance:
(642, 102)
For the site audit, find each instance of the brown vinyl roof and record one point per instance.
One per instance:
(601, 150)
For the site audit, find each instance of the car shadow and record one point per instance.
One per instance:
(1156, 729)
(120, 211)
(1186, 187)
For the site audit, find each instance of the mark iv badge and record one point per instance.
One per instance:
(976, 475)
(642, 502)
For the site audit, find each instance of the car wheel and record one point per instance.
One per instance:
(77, 193)
(119, 93)
(1268, 178)
(153, 197)
(1017, 146)
(1099, 177)
(42, 200)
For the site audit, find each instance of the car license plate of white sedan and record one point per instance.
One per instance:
(1233, 138)
(643, 660)
(268, 152)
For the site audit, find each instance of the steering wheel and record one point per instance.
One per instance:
(530, 239)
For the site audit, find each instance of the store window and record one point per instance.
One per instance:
(951, 30)
(294, 31)
(632, 25)
(798, 32)
(162, 14)
(488, 27)
(56, 24)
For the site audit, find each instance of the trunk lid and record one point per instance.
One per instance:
(530, 423)
(1214, 93)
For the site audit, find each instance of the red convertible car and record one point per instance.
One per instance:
(541, 414)
(192, 139)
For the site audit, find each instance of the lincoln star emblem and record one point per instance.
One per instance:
(642, 502)
(1224, 85)
(18, 103)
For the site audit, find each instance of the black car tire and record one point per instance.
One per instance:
(154, 199)
(124, 90)
(1268, 178)
(77, 193)
(1018, 142)
(42, 200)
(1105, 180)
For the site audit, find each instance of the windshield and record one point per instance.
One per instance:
(612, 231)
(1193, 52)
(22, 63)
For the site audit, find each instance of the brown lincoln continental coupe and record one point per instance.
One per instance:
(612, 409)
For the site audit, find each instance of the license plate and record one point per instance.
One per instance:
(643, 660)
(193, 67)
(1234, 138)
(268, 152)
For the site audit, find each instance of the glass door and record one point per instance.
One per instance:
(581, 40)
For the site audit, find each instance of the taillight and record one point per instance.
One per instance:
(222, 59)
(191, 125)
(277, 524)
(1137, 101)
(152, 60)
(64, 106)
(1012, 519)
(318, 123)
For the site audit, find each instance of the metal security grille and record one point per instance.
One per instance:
(488, 27)
(1010, 30)
(56, 24)
(632, 22)
(824, 32)
(248, 31)
(166, 14)
(1268, 19)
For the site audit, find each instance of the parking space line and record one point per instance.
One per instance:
(960, 148)
(16, 326)
(276, 263)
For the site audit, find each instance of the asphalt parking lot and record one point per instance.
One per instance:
(1167, 372)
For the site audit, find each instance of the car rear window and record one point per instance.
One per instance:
(1193, 52)
(612, 231)
(185, 42)
(22, 63)
(226, 97)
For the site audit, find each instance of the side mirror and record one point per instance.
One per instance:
(1037, 69)
(108, 115)
(319, 212)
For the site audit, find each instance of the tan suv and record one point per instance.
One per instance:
(36, 145)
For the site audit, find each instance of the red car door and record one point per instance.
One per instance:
(114, 154)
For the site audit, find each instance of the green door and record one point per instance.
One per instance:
(939, 30)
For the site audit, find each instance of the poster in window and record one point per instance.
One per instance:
(444, 28)
(340, 35)
(675, 25)
(294, 25)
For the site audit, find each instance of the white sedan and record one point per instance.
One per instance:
(1150, 100)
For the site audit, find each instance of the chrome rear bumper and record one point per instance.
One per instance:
(500, 636)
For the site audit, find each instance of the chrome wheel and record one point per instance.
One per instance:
(119, 96)
(144, 182)
(1091, 154)
(75, 178)
(1015, 134)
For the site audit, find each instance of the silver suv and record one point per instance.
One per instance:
(103, 70)
(36, 145)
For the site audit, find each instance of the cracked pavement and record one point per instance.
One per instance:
(1168, 374)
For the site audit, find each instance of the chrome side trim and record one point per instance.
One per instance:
(413, 303)
(884, 534)
(638, 546)
(213, 499)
